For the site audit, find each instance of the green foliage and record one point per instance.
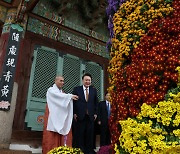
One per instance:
(173, 91)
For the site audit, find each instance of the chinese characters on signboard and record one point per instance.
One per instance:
(9, 66)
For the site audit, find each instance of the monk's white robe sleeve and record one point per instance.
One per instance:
(60, 107)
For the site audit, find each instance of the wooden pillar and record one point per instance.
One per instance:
(7, 116)
(3, 44)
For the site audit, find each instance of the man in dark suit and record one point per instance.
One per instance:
(85, 112)
(103, 117)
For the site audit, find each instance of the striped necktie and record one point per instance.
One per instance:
(87, 94)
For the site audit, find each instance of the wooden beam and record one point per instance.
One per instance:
(31, 5)
(5, 4)
(15, 3)
(50, 22)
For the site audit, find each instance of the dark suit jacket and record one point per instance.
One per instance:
(80, 106)
(103, 113)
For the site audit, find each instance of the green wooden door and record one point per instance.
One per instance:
(43, 72)
(71, 72)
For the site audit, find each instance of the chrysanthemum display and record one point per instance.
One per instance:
(154, 130)
(144, 55)
(65, 150)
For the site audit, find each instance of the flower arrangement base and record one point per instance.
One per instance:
(105, 150)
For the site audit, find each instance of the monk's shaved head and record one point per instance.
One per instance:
(57, 77)
(59, 81)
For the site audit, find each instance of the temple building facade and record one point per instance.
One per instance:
(40, 39)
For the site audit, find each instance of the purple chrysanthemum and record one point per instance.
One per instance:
(112, 7)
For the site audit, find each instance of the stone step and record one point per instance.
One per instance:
(26, 147)
(8, 151)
